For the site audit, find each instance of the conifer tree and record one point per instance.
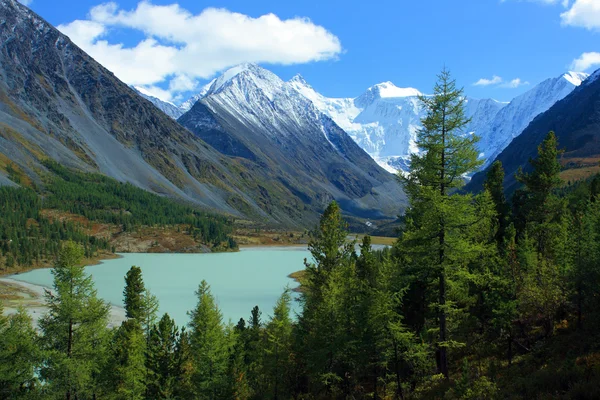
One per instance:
(277, 360)
(447, 153)
(184, 367)
(543, 210)
(320, 344)
(128, 362)
(133, 293)
(209, 346)
(161, 359)
(20, 355)
(494, 184)
(74, 330)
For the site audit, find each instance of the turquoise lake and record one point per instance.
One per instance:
(239, 281)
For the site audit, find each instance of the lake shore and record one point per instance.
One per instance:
(15, 294)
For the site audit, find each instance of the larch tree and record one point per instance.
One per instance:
(209, 346)
(277, 359)
(74, 330)
(438, 215)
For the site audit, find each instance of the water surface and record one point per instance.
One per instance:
(239, 281)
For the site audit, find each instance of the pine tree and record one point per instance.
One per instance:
(161, 359)
(134, 293)
(447, 153)
(74, 329)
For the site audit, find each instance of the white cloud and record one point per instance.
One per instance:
(180, 47)
(583, 13)
(487, 82)
(586, 62)
(499, 82)
(515, 83)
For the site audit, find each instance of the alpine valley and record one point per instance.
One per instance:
(256, 149)
(248, 144)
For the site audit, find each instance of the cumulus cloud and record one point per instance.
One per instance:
(179, 47)
(487, 82)
(583, 13)
(586, 62)
(499, 82)
(515, 83)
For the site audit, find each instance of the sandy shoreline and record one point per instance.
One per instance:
(31, 297)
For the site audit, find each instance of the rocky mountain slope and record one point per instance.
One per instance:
(576, 122)
(250, 113)
(57, 102)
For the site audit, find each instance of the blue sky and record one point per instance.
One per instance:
(340, 47)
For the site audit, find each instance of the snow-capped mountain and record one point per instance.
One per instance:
(189, 103)
(384, 120)
(574, 120)
(165, 106)
(518, 114)
(250, 113)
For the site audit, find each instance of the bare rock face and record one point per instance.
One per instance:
(57, 102)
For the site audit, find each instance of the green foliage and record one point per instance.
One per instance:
(436, 237)
(209, 346)
(26, 237)
(100, 198)
(161, 359)
(74, 330)
(20, 356)
(277, 362)
(476, 300)
(133, 294)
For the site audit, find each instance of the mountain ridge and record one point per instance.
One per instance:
(57, 102)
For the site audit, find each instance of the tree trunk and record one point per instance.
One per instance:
(69, 349)
(443, 328)
(442, 242)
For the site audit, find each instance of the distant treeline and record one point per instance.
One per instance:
(100, 198)
(27, 237)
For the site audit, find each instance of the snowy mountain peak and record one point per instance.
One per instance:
(388, 89)
(384, 90)
(247, 77)
(576, 78)
(299, 80)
